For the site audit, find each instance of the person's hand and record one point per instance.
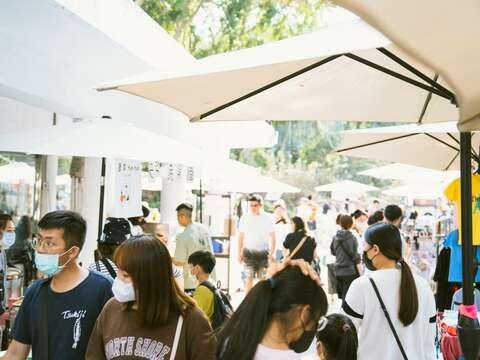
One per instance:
(5, 316)
(305, 267)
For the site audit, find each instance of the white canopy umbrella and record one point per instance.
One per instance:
(418, 190)
(440, 35)
(15, 172)
(434, 146)
(409, 173)
(331, 74)
(227, 175)
(444, 37)
(102, 138)
(346, 186)
(251, 184)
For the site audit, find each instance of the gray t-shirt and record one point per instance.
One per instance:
(195, 237)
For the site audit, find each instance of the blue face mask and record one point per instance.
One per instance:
(48, 263)
(8, 239)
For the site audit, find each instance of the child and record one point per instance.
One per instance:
(211, 300)
(337, 338)
(202, 264)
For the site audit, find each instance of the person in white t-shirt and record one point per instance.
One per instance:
(408, 299)
(282, 227)
(256, 241)
(277, 320)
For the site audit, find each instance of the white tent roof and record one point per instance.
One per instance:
(251, 184)
(417, 190)
(409, 173)
(346, 186)
(336, 90)
(442, 36)
(61, 78)
(434, 146)
(101, 138)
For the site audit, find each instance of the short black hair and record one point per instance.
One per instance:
(73, 225)
(145, 211)
(256, 197)
(357, 213)
(204, 259)
(393, 212)
(376, 217)
(185, 206)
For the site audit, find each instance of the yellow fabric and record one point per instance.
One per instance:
(452, 193)
(205, 300)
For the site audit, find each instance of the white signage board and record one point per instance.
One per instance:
(128, 188)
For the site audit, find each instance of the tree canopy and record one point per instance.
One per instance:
(302, 156)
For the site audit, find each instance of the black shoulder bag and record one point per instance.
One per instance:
(389, 320)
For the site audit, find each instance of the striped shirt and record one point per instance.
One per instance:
(100, 267)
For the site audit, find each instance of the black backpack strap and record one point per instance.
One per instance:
(389, 320)
(43, 298)
(97, 266)
(209, 286)
(109, 267)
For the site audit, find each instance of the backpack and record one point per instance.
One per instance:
(222, 309)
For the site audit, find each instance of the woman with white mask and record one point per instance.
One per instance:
(149, 316)
(7, 239)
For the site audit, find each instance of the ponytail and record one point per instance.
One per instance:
(387, 237)
(408, 296)
(348, 345)
(339, 338)
(250, 320)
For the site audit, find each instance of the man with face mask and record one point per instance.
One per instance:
(194, 237)
(58, 313)
(7, 239)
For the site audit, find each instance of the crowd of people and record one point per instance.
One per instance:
(140, 301)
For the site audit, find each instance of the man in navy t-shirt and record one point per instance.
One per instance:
(59, 313)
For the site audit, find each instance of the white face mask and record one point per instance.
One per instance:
(123, 292)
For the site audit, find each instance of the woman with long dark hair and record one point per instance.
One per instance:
(407, 324)
(149, 316)
(337, 338)
(277, 320)
(307, 250)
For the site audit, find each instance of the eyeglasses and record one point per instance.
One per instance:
(46, 244)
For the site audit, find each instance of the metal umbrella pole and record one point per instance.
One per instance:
(468, 325)
(102, 198)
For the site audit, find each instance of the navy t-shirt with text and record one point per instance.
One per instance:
(71, 317)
